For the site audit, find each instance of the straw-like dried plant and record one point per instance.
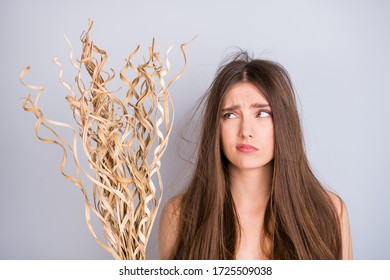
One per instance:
(118, 137)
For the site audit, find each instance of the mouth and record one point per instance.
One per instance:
(244, 148)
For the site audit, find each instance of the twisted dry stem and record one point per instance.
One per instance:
(117, 137)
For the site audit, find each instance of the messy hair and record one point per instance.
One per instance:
(300, 220)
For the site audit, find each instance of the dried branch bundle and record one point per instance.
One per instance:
(117, 137)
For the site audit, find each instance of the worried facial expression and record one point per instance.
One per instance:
(247, 129)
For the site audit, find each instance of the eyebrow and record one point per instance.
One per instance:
(254, 105)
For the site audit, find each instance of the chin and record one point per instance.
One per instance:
(253, 166)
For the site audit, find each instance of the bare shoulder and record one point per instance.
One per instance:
(337, 202)
(344, 224)
(168, 227)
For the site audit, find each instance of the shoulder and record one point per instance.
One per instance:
(169, 227)
(171, 210)
(344, 224)
(338, 203)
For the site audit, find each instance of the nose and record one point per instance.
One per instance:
(246, 128)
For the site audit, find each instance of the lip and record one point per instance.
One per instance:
(245, 148)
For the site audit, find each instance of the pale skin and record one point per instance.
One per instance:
(247, 138)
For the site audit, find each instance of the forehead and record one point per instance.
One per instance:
(243, 94)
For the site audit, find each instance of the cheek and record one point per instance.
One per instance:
(222, 136)
(271, 139)
(225, 136)
(268, 137)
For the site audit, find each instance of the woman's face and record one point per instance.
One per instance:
(247, 129)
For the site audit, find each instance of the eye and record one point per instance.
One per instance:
(229, 116)
(264, 114)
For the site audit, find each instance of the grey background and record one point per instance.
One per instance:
(337, 53)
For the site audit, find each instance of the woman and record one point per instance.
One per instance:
(253, 194)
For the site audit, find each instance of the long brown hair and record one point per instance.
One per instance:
(300, 220)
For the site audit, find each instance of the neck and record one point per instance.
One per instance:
(251, 187)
